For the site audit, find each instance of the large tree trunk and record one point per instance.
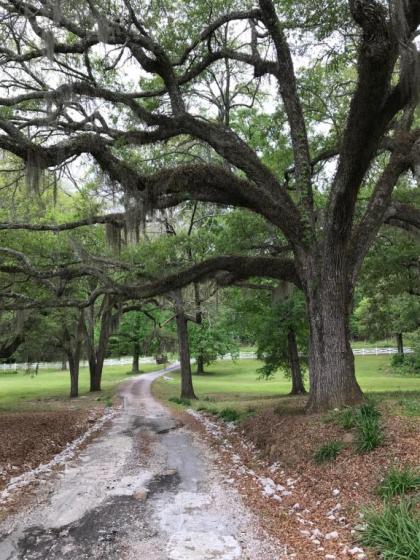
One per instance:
(400, 344)
(187, 390)
(136, 355)
(74, 375)
(332, 376)
(298, 387)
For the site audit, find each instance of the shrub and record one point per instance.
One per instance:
(369, 431)
(347, 418)
(369, 434)
(393, 531)
(328, 452)
(229, 415)
(398, 482)
(178, 400)
(397, 360)
(368, 410)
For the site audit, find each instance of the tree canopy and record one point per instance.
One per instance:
(306, 116)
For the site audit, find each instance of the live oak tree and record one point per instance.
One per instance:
(113, 79)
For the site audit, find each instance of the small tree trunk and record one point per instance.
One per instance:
(95, 371)
(298, 387)
(400, 344)
(200, 364)
(74, 376)
(199, 321)
(332, 375)
(187, 390)
(64, 364)
(136, 355)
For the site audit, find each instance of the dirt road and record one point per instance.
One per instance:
(146, 489)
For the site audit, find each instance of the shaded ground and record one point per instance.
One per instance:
(147, 488)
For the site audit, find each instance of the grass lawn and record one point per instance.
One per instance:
(20, 391)
(228, 384)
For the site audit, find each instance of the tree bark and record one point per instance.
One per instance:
(187, 389)
(298, 387)
(400, 343)
(199, 321)
(74, 375)
(200, 364)
(332, 375)
(136, 355)
(95, 373)
(97, 352)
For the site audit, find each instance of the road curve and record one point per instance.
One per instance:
(145, 489)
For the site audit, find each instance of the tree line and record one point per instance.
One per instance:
(306, 118)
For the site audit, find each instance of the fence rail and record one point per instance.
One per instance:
(126, 360)
(378, 351)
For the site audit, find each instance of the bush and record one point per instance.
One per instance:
(229, 415)
(397, 360)
(368, 410)
(178, 400)
(369, 431)
(393, 531)
(398, 482)
(347, 418)
(328, 452)
(369, 434)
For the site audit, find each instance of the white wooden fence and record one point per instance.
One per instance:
(127, 360)
(84, 363)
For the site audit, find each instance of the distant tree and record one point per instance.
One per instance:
(69, 93)
(211, 340)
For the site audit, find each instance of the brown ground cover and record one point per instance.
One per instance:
(31, 438)
(324, 500)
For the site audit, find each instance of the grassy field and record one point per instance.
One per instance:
(235, 384)
(19, 391)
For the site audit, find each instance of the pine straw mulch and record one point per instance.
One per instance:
(31, 438)
(325, 499)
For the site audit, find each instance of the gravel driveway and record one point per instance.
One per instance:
(145, 489)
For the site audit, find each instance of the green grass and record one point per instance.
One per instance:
(229, 414)
(181, 401)
(19, 391)
(236, 385)
(328, 452)
(369, 434)
(393, 531)
(398, 482)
